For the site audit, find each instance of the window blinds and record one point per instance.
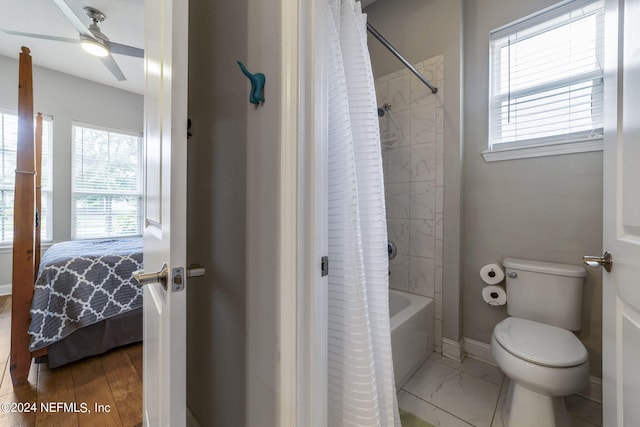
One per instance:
(546, 77)
(9, 134)
(107, 183)
(8, 153)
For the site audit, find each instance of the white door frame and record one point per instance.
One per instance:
(312, 209)
(290, 180)
(621, 216)
(609, 384)
(303, 296)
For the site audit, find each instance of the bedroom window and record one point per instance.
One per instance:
(546, 83)
(8, 150)
(106, 183)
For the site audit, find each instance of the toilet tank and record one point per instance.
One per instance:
(545, 292)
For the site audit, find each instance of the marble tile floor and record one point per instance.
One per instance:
(471, 393)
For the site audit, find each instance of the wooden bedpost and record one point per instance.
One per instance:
(38, 170)
(23, 227)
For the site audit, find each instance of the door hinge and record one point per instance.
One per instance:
(324, 266)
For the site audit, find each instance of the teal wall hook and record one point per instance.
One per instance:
(257, 85)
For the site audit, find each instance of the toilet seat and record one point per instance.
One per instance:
(539, 343)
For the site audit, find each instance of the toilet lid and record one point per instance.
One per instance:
(539, 343)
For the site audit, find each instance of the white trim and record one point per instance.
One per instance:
(593, 390)
(5, 289)
(287, 321)
(94, 126)
(191, 419)
(9, 248)
(312, 217)
(532, 26)
(453, 349)
(478, 350)
(539, 17)
(542, 150)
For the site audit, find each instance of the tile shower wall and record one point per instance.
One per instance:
(412, 153)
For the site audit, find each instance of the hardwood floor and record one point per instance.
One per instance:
(104, 390)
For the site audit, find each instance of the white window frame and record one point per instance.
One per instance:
(139, 194)
(579, 142)
(46, 216)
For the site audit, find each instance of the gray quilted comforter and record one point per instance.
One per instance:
(81, 283)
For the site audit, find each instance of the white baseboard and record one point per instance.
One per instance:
(191, 419)
(453, 349)
(5, 289)
(478, 350)
(593, 391)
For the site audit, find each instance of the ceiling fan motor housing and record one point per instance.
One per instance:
(95, 15)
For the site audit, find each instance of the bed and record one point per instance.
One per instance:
(81, 299)
(81, 284)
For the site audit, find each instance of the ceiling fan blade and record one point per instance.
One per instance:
(111, 65)
(123, 49)
(41, 36)
(73, 18)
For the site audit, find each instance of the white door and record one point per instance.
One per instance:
(621, 286)
(165, 133)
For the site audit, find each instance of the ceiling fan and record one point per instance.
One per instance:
(90, 38)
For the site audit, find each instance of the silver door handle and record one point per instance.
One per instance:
(606, 261)
(148, 278)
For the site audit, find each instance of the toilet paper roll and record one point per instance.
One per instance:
(494, 295)
(492, 274)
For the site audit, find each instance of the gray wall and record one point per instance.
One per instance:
(233, 210)
(67, 98)
(548, 208)
(422, 29)
(216, 208)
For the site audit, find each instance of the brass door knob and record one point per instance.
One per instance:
(606, 261)
(157, 277)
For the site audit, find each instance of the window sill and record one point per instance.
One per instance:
(542, 150)
(5, 249)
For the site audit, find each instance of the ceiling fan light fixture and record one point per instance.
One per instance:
(94, 47)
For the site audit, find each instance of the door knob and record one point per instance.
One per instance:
(148, 278)
(162, 276)
(606, 260)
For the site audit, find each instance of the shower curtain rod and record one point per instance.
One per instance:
(402, 59)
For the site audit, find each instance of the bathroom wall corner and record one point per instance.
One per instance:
(478, 350)
(453, 349)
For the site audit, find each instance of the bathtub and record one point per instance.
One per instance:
(412, 319)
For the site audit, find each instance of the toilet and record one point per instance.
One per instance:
(535, 347)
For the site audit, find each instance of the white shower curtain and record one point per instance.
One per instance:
(360, 385)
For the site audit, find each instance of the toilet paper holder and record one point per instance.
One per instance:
(511, 275)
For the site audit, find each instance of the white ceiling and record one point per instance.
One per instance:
(124, 24)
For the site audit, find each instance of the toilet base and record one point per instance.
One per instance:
(527, 408)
